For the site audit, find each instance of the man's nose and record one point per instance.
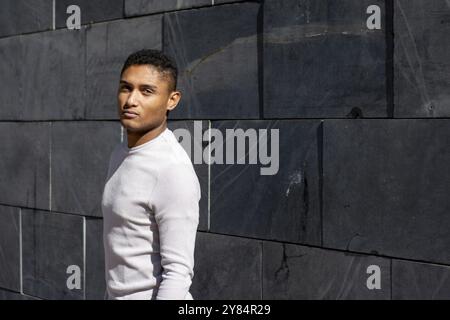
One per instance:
(132, 98)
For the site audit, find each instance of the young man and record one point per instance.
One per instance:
(151, 196)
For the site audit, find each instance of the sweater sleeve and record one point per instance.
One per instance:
(175, 202)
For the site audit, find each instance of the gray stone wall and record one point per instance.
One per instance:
(359, 207)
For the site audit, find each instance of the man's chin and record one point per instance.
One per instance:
(127, 124)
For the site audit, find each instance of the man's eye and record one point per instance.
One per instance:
(124, 89)
(148, 91)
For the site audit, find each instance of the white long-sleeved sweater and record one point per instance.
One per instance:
(150, 218)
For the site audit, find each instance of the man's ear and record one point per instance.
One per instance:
(174, 98)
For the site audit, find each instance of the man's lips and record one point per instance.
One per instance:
(129, 114)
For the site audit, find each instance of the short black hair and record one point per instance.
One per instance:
(156, 58)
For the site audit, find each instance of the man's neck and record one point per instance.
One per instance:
(136, 139)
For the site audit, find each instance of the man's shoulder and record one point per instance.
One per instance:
(175, 153)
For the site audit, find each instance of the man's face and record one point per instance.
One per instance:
(145, 93)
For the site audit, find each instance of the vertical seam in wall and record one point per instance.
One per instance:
(50, 170)
(121, 134)
(85, 93)
(163, 19)
(262, 270)
(209, 175)
(212, 2)
(54, 14)
(84, 258)
(321, 147)
(389, 68)
(20, 251)
(260, 57)
(390, 296)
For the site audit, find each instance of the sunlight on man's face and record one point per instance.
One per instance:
(144, 93)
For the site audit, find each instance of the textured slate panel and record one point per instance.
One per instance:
(23, 16)
(90, 11)
(420, 281)
(226, 268)
(80, 157)
(422, 47)
(141, 7)
(201, 168)
(24, 165)
(52, 75)
(108, 46)
(283, 206)
(321, 60)
(11, 88)
(95, 260)
(386, 187)
(10, 248)
(51, 243)
(218, 74)
(297, 272)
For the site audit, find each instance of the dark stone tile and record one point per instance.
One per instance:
(52, 75)
(25, 165)
(386, 187)
(108, 46)
(95, 260)
(297, 272)
(91, 11)
(195, 145)
(282, 204)
(218, 72)
(142, 7)
(80, 156)
(23, 16)
(420, 281)
(10, 248)
(11, 89)
(321, 60)
(226, 268)
(52, 243)
(422, 76)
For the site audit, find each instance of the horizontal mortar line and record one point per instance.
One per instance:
(50, 28)
(26, 33)
(217, 120)
(330, 249)
(9, 290)
(63, 120)
(87, 25)
(11, 205)
(47, 211)
(193, 8)
(21, 294)
(31, 296)
(375, 118)
(323, 118)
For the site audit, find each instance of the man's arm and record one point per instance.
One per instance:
(175, 204)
